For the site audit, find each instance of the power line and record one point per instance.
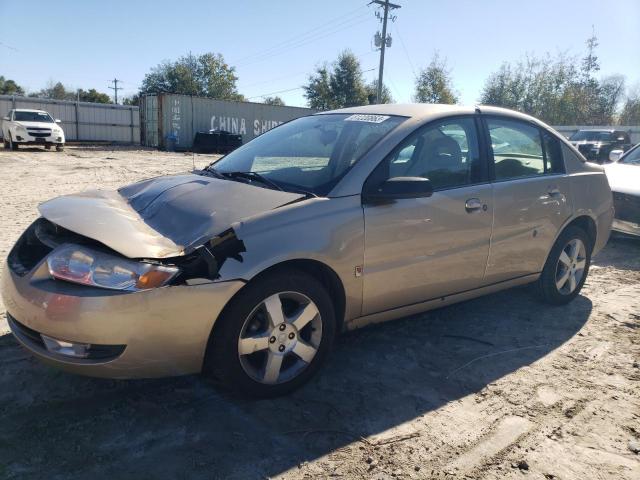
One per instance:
(329, 24)
(321, 35)
(290, 75)
(406, 52)
(274, 93)
(115, 88)
(292, 89)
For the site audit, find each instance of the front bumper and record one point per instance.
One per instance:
(27, 139)
(164, 331)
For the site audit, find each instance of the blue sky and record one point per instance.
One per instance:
(275, 44)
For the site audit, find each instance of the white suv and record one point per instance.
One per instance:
(37, 127)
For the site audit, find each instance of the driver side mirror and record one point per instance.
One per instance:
(399, 187)
(6, 119)
(614, 155)
(58, 120)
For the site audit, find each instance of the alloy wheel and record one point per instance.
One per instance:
(280, 338)
(570, 267)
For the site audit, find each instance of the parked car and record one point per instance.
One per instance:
(31, 127)
(247, 269)
(595, 145)
(624, 179)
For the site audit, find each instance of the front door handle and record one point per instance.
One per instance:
(474, 205)
(553, 191)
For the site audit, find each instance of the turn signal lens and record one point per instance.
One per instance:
(86, 266)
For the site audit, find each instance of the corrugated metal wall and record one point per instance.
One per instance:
(169, 117)
(83, 121)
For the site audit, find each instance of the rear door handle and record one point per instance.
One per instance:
(553, 191)
(474, 205)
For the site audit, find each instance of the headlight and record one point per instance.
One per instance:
(20, 128)
(97, 269)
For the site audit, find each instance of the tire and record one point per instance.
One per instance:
(59, 148)
(47, 147)
(275, 345)
(12, 144)
(5, 144)
(566, 268)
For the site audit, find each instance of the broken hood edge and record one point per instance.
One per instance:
(163, 217)
(107, 217)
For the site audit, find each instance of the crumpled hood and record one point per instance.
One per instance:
(162, 217)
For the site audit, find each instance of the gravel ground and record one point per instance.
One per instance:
(497, 387)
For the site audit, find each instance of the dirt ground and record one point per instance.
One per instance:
(498, 387)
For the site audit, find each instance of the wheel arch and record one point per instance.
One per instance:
(316, 269)
(321, 272)
(587, 224)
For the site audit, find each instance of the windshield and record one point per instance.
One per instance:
(591, 136)
(632, 158)
(309, 153)
(32, 117)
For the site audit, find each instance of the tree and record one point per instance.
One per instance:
(372, 93)
(132, 100)
(274, 101)
(434, 84)
(56, 91)
(631, 110)
(558, 89)
(206, 75)
(10, 87)
(338, 86)
(318, 90)
(347, 85)
(93, 96)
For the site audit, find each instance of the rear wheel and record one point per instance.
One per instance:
(273, 336)
(567, 267)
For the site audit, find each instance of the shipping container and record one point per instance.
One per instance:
(170, 121)
(84, 121)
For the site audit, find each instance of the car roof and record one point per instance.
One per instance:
(431, 111)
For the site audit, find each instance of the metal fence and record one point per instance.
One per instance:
(175, 119)
(84, 121)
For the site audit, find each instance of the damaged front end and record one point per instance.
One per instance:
(182, 221)
(43, 239)
(204, 263)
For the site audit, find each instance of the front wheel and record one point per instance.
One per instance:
(273, 336)
(59, 148)
(12, 145)
(567, 267)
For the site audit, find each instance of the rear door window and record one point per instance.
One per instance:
(522, 150)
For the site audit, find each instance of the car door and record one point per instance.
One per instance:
(417, 249)
(531, 193)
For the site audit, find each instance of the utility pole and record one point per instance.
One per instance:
(115, 88)
(383, 40)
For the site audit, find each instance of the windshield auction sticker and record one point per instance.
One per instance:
(360, 117)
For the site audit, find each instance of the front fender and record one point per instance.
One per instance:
(329, 231)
